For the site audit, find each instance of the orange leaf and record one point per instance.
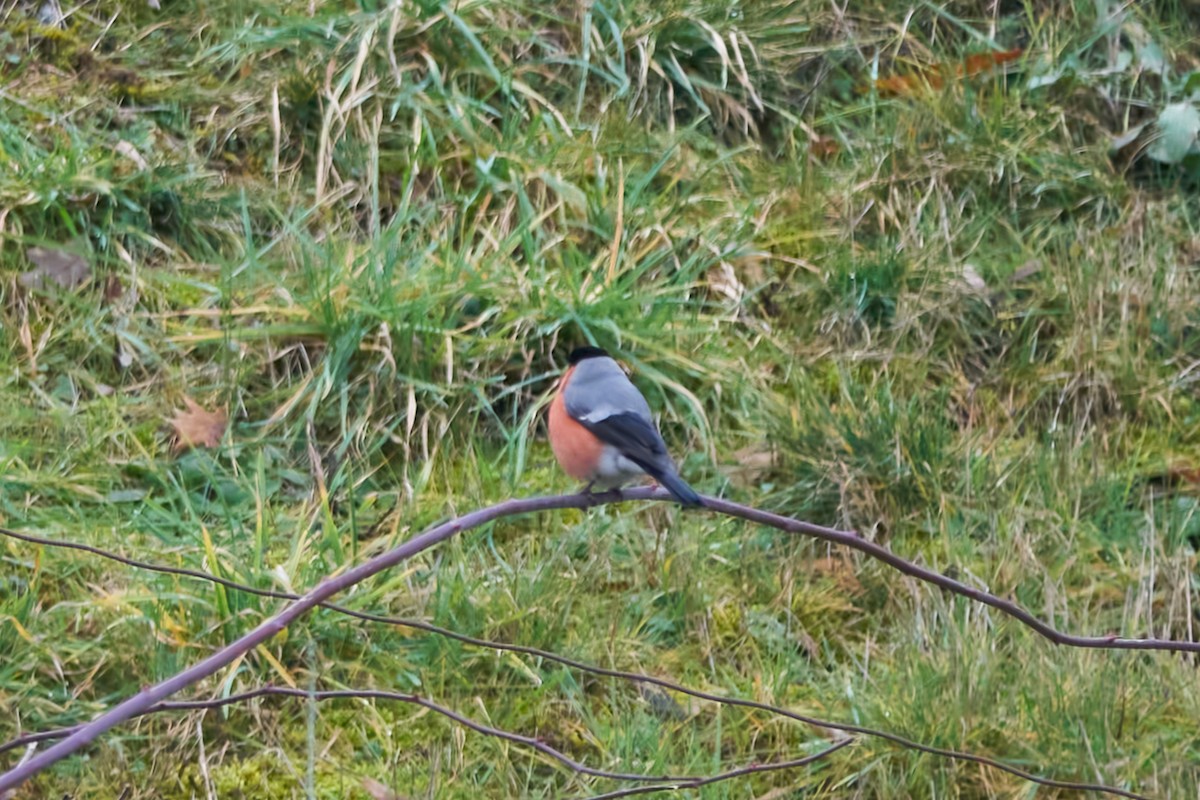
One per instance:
(982, 62)
(196, 427)
(1184, 472)
(933, 76)
(895, 85)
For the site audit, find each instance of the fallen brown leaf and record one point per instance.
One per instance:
(982, 62)
(63, 267)
(195, 427)
(840, 571)
(113, 289)
(823, 148)
(1185, 472)
(935, 76)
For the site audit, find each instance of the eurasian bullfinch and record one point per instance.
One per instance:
(601, 430)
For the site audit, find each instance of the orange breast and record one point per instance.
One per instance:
(576, 448)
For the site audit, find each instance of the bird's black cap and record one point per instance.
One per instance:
(580, 353)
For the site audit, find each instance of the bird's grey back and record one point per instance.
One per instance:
(599, 389)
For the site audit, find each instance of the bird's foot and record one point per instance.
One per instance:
(599, 496)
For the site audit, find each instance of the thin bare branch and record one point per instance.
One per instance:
(41, 736)
(152, 695)
(547, 655)
(317, 597)
(667, 781)
(696, 783)
(417, 700)
(849, 539)
(877, 551)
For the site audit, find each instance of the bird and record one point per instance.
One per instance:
(601, 430)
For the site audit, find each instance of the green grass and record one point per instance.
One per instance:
(372, 233)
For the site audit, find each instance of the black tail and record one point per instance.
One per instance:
(678, 488)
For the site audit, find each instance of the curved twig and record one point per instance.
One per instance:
(152, 695)
(667, 782)
(729, 508)
(138, 704)
(637, 677)
(417, 700)
(696, 783)
(879, 552)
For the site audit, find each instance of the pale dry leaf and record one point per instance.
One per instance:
(195, 427)
(1119, 143)
(122, 356)
(1023, 273)
(973, 280)
(1026, 271)
(379, 791)
(749, 465)
(724, 280)
(63, 267)
(129, 151)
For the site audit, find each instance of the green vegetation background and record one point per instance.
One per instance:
(951, 319)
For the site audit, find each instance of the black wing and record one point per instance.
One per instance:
(640, 442)
(634, 437)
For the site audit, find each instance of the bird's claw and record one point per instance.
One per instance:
(596, 497)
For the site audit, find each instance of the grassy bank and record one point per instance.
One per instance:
(942, 309)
